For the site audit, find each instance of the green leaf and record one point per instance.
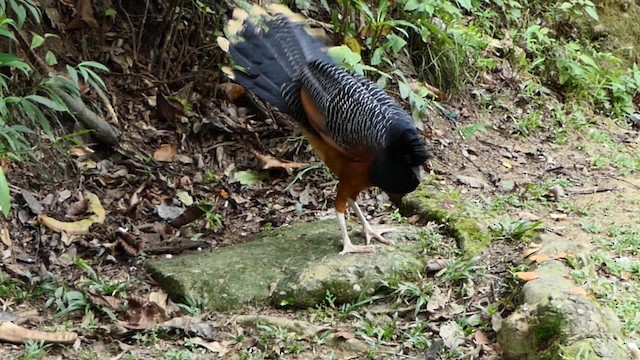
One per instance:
(342, 54)
(110, 12)
(412, 5)
(376, 58)
(404, 89)
(47, 102)
(93, 64)
(7, 33)
(466, 4)
(21, 12)
(36, 41)
(50, 58)
(5, 196)
(592, 12)
(250, 177)
(184, 197)
(396, 42)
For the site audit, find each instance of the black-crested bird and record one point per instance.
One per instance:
(358, 130)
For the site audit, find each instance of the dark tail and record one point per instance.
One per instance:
(270, 55)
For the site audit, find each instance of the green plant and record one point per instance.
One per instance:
(34, 350)
(193, 306)
(397, 216)
(514, 230)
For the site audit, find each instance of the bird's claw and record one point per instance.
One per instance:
(370, 233)
(352, 249)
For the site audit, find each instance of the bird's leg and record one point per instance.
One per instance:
(347, 246)
(368, 231)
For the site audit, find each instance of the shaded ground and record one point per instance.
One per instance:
(510, 176)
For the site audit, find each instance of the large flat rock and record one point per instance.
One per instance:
(292, 266)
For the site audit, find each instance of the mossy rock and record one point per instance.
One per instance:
(292, 266)
(464, 223)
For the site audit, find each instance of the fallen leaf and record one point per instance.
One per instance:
(4, 236)
(191, 325)
(232, 90)
(472, 182)
(249, 177)
(533, 248)
(169, 108)
(78, 208)
(451, 334)
(527, 275)
(184, 197)
(33, 203)
(507, 165)
(160, 298)
(270, 162)
(104, 301)
(540, 257)
(525, 215)
(481, 338)
(212, 346)
(12, 333)
(578, 290)
(557, 216)
(81, 152)
(77, 227)
(343, 335)
(166, 153)
(168, 212)
(143, 314)
(435, 265)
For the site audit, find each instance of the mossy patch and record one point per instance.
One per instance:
(619, 21)
(463, 222)
(293, 266)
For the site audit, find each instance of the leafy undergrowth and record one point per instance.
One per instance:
(523, 108)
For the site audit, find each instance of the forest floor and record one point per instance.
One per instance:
(491, 153)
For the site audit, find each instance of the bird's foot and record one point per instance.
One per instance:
(371, 233)
(353, 249)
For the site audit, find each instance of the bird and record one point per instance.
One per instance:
(359, 131)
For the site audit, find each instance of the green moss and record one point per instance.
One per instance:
(621, 27)
(462, 222)
(302, 261)
(547, 327)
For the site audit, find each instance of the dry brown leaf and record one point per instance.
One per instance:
(481, 338)
(82, 152)
(4, 236)
(533, 248)
(344, 335)
(12, 333)
(270, 162)
(472, 182)
(232, 90)
(169, 108)
(212, 346)
(77, 227)
(78, 208)
(111, 302)
(527, 275)
(540, 257)
(578, 290)
(166, 153)
(160, 298)
(143, 314)
(435, 265)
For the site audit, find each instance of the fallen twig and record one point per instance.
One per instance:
(589, 190)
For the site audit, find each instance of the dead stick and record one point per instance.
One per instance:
(589, 190)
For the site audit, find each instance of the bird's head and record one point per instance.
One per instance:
(396, 169)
